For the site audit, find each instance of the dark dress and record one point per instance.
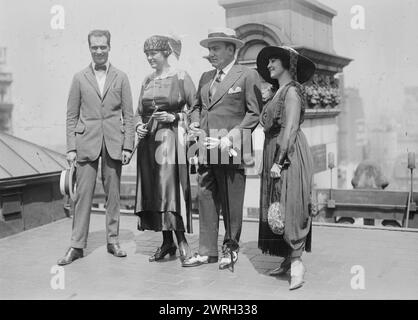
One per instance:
(294, 187)
(163, 187)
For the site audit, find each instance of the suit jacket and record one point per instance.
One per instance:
(92, 118)
(234, 107)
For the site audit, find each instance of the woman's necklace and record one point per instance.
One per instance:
(153, 92)
(160, 76)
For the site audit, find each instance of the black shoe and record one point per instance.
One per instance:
(197, 260)
(71, 255)
(282, 269)
(226, 261)
(162, 252)
(114, 248)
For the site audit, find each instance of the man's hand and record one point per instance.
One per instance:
(211, 142)
(164, 117)
(126, 156)
(71, 157)
(225, 144)
(141, 131)
(275, 171)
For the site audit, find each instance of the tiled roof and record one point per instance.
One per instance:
(21, 158)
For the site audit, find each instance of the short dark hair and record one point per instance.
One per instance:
(99, 33)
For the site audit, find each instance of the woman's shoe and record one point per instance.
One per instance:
(282, 269)
(184, 251)
(162, 252)
(297, 274)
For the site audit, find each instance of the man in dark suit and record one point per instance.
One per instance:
(226, 111)
(99, 124)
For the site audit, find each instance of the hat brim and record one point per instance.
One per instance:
(305, 68)
(238, 43)
(68, 184)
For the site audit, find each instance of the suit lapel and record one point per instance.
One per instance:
(111, 75)
(206, 86)
(89, 74)
(229, 80)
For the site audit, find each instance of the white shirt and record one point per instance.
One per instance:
(224, 70)
(101, 76)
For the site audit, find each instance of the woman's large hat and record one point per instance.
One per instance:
(224, 35)
(68, 185)
(301, 67)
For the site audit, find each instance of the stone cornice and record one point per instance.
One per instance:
(311, 4)
(321, 113)
(317, 6)
(324, 60)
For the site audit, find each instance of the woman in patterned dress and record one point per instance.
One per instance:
(163, 187)
(287, 162)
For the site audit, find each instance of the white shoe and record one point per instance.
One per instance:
(226, 259)
(197, 260)
(297, 273)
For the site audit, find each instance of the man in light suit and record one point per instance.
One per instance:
(226, 111)
(99, 125)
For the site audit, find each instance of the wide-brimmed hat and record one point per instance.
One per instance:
(222, 34)
(301, 67)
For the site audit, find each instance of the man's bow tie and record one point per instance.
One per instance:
(98, 67)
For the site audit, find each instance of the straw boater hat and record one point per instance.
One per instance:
(301, 68)
(224, 35)
(68, 182)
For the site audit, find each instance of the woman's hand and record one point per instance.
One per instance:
(164, 117)
(275, 171)
(141, 130)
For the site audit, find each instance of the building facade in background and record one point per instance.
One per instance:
(352, 136)
(305, 25)
(6, 105)
(407, 140)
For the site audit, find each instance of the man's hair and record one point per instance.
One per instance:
(230, 44)
(99, 33)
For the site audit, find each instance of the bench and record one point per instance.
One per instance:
(368, 204)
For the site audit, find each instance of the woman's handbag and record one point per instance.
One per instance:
(275, 214)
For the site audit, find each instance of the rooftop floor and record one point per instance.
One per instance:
(389, 260)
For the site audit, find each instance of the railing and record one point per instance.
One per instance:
(369, 204)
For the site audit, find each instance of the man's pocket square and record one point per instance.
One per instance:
(236, 90)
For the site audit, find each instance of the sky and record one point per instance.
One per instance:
(385, 52)
(43, 60)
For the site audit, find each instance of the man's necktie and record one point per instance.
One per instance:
(215, 85)
(98, 67)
